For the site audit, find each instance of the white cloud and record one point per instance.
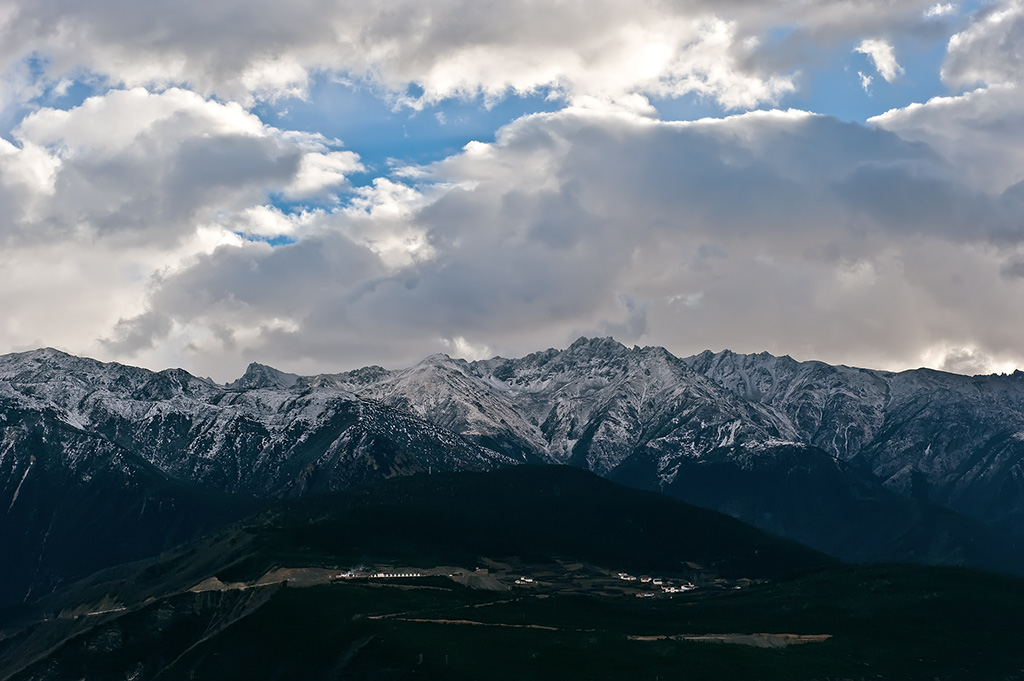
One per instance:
(991, 50)
(460, 347)
(882, 56)
(782, 231)
(104, 200)
(271, 222)
(981, 133)
(68, 294)
(940, 10)
(240, 49)
(136, 165)
(318, 172)
(136, 218)
(112, 122)
(865, 81)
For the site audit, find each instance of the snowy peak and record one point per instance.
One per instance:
(596, 347)
(258, 376)
(598, 404)
(449, 393)
(46, 364)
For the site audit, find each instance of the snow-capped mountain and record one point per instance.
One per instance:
(261, 435)
(954, 440)
(850, 461)
(101, 462)
(793, 447)
(592, 405)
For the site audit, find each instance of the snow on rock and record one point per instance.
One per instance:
(638, 413)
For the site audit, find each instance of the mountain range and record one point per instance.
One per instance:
(104, 463)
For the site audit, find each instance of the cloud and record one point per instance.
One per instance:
(318, 172)
(141, 225)
(68, 293)
(246, 49)
(964, 361)
(882, 56)
(940, 10)
(1013, 269)
(103, 200)
(972, 362)
(137, 333)
(989, 51)
(782, 231)
(981, 133)
(142, 166)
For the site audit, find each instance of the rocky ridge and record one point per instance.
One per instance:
(854, 462)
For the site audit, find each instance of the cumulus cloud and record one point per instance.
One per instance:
(797, 232)
(136, 165)
(966, 361)
(104, 199)
(882, 56)
(69, 293)
(990, 50)
(981, 133)
(320, 171)
(940, 10)
(240, 49)
(143, 219)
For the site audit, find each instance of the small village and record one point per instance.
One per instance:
(558, 577)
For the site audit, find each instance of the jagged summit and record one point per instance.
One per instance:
(597, 346)
(258, 376)
(42, 353)
(439, 358)
(43, 360)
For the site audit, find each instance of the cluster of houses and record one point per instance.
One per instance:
(381, 575)
(666, 588)
(678, 589)
(391, 575)
(656, 581)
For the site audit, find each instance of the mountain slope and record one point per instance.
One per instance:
(852, 462)
(168, 619)
(534, 515)
(76, 502)
(772, 441)
(954, 440)
(261, 439)
(101, 463)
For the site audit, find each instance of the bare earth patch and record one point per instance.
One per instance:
(754, 640)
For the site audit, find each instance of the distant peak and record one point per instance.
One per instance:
(606, 345)
(44, 353)
(262, 376)
(436, 358)
(51, 357)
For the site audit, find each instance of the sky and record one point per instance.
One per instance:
(319, 185)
